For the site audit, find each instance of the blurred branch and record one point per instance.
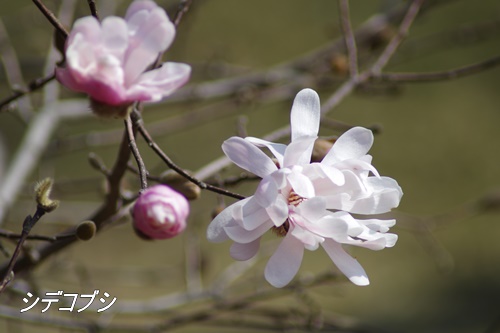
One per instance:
(31, 149)
(441, 75)
(348, 34)
(13, 71)
(393, 45)
(32, 86)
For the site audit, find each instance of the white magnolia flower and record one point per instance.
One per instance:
(308, 203)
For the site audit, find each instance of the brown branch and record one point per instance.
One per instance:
(143, 173)
(11, 235)
(32, 86)
(181, 11)
(349, 39)
(393, 45)
(52, 18)
(136, 117)
(441, 75)
(93, 9)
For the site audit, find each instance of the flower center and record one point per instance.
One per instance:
(293, 199)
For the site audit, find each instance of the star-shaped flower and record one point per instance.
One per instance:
(309, 204)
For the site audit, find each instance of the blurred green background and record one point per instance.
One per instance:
(439, 140)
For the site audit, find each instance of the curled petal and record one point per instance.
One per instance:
(215, 231)
(277, 149)
(247, 156)
(305, 114)
(345, 263)
(250, 215)
(285, 262)
(354, 143)
(155, 84)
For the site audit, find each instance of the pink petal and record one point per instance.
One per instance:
(305, 114)
(345, 263)
(244, 251)
(88, 27)
(354, 143)
(153, 85)
(153, 35)
(138, 6)
(285, 262)
(114, 36)
(247, 156)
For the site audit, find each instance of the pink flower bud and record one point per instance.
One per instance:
(160, 213)
(110, 60)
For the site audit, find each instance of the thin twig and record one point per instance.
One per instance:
(29, 222)
(93, 9)
(136, 118)
(181, 11)
(52, 18)
(11, 235)
(350, 42)
(143, 173)
(393, 45)
(32, 86)
(441, 75)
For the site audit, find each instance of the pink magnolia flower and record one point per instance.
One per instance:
(160, 213)
(309, 204)
(109, 60)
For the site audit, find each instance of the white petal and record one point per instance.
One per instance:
(215, 230)
(312, 209)
(330, 226)
(334, 174)
(305, 114)
(285, 262)
(378, 225)
(252, 215)
(386, 195)
(345, 263)
(244, 251)
(301, 185)
(240, 235)
(354, 143)
(299, 151)
(308, 239)
(247, 156)
(267, 192)
(278, 212)
(277, 149)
